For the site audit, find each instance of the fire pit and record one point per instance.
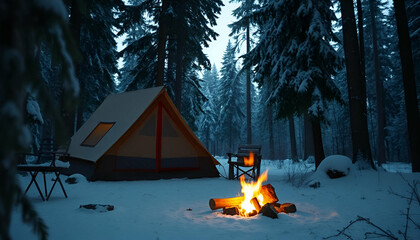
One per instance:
(257, 198)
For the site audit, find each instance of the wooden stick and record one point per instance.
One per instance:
(216, 203)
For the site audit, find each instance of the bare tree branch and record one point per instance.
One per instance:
(383, 233)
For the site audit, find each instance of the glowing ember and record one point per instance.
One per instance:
(249, 162)
(251, 190)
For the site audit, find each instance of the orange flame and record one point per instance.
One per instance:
(249, 162)
(251, 190)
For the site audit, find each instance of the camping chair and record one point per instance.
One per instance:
(48, 153)
(252, 171)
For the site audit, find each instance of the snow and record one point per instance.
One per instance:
(335, 162)
(72, 84)
(160, 209)
(34, 110)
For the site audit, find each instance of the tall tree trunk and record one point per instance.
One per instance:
(361, 42)
(180, 51)
(230, 138)
(372, 135)
(170, 72)
(248, 93)
(380, 108)
(292, 138)
(162, 37)
(207, 134)
(270, 131)
(356, 87)
(280, 143)
(317, 138)
(74, 119)
(308, 137)
(410, 94)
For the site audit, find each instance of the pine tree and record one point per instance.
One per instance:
(377, 61)
(410, 94)
(24, 25)
(298, 59)
(139, 55)
(396, 141)
(187, 23)
(413, 18)
(356, 88)
(243, 14)
(231, 100)
(98, 48)
(131, 57)
(193, 99)
(208, 119)
(192, 29)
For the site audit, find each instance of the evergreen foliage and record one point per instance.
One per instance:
(193, 99)
(25, 26)
(295, 55)
(98, 47)
(413, 15)
(207, 122)
(231, 99)
(140, 53)
(189, 21)
(241, 29)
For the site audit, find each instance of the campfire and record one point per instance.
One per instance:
(257, 198)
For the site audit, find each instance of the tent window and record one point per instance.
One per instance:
(97, 134)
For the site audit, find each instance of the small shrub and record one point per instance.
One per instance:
(298, 173)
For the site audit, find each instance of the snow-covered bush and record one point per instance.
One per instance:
(334, 166)
(335, 162)
(297, 173)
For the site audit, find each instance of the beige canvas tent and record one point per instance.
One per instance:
(139, 135)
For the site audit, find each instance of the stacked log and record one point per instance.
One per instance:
(270, 207)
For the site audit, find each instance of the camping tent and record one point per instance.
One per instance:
(139, 135)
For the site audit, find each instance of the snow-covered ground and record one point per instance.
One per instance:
(178, 208)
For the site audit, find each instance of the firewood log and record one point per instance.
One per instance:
(269, 211)
(288, 207)
(216, 203)
(256, 204)
(284, 207)
(231, 211)
(269, 194)
(266, 190)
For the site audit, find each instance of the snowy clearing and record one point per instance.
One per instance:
(178, 208)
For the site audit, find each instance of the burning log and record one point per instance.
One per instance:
(256, 204)
(269, 193)
(216, 203)
(255, 196)
(253, 213)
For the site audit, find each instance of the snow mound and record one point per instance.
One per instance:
(76, 178)
(333, 166)
(336, 162)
